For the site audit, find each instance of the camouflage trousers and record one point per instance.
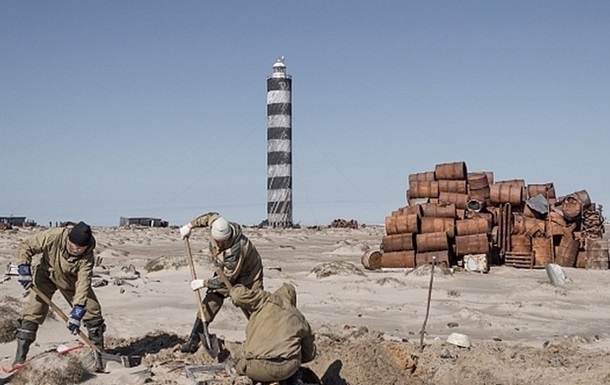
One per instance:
(36, 311)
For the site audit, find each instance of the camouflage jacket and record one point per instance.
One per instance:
(276, 328)
(241, 262)
(66, 271)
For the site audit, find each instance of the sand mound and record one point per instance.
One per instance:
(9, 315)
(336, 268)
(51, 369)
(425, 270)
(164, 262)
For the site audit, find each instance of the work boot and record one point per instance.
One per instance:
(295, 379)
(23, 347)
(96, 328)
(192, 344)
(26, 334)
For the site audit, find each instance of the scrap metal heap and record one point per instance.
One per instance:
(460, 217)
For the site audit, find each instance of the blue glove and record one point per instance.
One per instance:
(25, 275)
(77, 314)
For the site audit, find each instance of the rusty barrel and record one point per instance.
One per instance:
(471, 244)
(398, 242)
(513, 182)
(571, 208)
(402, 223)
(480, 195)
(583, 197)
(453, 170)
(546, 189)
(567, 251)
(371, 259)
(521, 243)
(489, 217)
(427, 176)
(500, 193)
(472, 226)
(424, 258)
(437, 225)
(432, 241)
(527, 225)
(477, 181)
(439, 210)
(452, 186)
(460, 200)
(411, 209)
(556, 224)
(423, 189)
(542, 251)
(597, 256)
(398, 259)
(475, 205)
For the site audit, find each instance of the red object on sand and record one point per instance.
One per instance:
(13, 368)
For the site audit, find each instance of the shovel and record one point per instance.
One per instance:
(209, 341)
(100, 356)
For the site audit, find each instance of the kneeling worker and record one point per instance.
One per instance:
(278, 337)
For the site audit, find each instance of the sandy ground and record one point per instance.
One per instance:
(523, 330)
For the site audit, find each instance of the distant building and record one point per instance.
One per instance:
(13, 221)
(143, 221)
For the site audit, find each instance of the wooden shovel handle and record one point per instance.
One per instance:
(189, 256)
(224, 278)
(63, 316)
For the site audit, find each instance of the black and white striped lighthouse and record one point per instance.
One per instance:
(279, 146)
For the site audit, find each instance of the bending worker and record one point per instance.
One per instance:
(66, 265)
(278, 337)
(239, 260)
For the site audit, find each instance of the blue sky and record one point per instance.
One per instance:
(158, 108)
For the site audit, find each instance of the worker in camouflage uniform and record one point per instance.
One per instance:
(278, 337)
(66, 264)
(239, 260)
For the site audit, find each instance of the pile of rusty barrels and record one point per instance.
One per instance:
(344, 223)
(452, 213)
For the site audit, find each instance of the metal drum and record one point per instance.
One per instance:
(439, 210)
(546, 189)
(500, 193)
(423, 189)
(542, 251)
(472, 244)
(460, 200)
(437, 225)
(452, 186)
(398, 259)
(454, 170)
(427, 176)
(402, 223)
(432, 241)
(477, 181)
(567, 251)
(398, 242)
(371, 260)
(473, 226)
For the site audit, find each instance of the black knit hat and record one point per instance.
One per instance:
(80, 234)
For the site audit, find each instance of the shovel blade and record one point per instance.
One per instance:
(210, 344)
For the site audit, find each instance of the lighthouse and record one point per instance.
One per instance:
(279, 146)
